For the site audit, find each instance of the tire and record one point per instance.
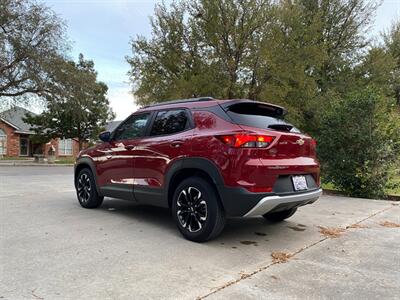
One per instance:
(197, 210)
(86, 190)
(280, 215)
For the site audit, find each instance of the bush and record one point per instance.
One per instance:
(359, 143)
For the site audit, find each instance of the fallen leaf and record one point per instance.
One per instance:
(243, 275)
(357, 226)
(331, 232)
(280, 257)
(389, 224)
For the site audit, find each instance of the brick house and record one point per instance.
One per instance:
(15, 138)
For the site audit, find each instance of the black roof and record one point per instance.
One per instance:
(15, 117)
(201, 99)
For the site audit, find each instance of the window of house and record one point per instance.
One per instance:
(23, 146)
(169, 122)
(65, 147)
(3, 142)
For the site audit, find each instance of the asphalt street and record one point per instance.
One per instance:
(51, 248)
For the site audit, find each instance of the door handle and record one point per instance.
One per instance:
(129, 147)
(176, 144)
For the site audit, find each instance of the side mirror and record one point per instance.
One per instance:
(105, 136)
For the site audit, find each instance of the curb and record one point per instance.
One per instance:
(35, 165)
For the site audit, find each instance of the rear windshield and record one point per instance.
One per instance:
(260, 116)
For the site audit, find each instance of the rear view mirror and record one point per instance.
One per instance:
(105, 136)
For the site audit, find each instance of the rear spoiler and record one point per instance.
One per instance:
(273, 110)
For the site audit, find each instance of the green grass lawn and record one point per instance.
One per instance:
(65, 160)
(394, 178)
(14, 158)
(329, 186)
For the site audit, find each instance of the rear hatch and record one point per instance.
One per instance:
(267, 119)
(290, 158)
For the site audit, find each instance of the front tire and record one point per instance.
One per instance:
(197, 210)
(280, 215)
(86, 190)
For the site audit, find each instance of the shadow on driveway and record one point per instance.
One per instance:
(238, 231)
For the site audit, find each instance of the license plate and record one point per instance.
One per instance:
(299, 183)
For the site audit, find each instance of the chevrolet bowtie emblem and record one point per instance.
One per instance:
(300, 142)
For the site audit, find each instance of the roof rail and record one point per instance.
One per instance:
(201, 99)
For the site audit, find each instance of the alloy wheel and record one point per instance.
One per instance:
(84, 188)
(191, 209)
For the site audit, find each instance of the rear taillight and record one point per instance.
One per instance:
(313, 148)
(246, 140)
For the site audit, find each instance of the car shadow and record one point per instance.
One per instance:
(146, 214)
(246, 231)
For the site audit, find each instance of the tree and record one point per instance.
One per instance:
(360, 143)
(380, 67)
(78, 106)
(31, 42)
(392, 46)
(311, 50)
(201, 48)
(295, 53)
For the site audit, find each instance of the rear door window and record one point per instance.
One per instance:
(258, 115)
(169, 122)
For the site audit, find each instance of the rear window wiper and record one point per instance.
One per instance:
(281, 127)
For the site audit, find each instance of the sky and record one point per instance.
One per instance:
(102, 29)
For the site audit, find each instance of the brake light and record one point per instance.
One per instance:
(313, 148)
(246, 140)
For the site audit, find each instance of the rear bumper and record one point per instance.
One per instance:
(273, 203)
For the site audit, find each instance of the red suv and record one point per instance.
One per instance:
(206, 160)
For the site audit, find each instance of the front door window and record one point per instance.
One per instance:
(132, 128)
(23, 146)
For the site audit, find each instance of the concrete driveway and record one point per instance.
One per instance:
(51, 248)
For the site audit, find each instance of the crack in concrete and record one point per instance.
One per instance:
(248, 275)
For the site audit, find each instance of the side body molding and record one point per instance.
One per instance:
(161, 197)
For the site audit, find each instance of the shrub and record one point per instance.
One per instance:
(359, 143)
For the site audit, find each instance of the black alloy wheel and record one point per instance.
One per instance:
(86, 190)
(192, 209)
(197, 209)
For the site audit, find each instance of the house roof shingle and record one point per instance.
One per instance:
(14, 117)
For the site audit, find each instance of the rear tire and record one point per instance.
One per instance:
(197, 210)
(280, 215)
(86, 190)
